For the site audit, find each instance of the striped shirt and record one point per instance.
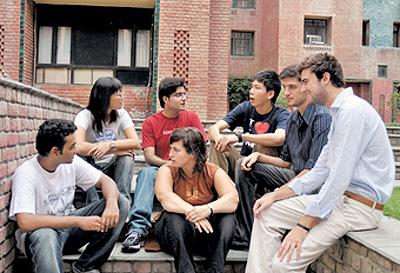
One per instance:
(306, 135)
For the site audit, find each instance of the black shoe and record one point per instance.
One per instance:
(132, 242)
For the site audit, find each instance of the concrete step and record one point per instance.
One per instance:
(393, 130)
(145, 262)
(394, 139)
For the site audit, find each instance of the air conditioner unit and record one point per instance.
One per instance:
(314, 40)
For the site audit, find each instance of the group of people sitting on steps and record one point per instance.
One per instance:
(300, 181)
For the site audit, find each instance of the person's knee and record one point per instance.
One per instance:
(126, 161)
(278, 266)
(44, 239)
(226, 226)
(176, 223)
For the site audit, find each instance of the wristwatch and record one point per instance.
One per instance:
(113, 146)
(239, 136)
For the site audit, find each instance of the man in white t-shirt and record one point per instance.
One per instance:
(42, 204)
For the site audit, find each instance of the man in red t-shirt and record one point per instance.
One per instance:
(156, 131)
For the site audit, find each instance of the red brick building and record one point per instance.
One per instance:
(365, 38)
(63, 46)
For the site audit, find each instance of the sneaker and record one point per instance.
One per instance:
(132, 242)
(76, 270)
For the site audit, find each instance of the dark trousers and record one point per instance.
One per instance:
(178, 237)
(266, 178)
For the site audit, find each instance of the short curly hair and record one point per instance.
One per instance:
(52, 133)
(324, 62)
(194, 144)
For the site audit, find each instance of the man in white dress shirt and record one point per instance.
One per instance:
(355, 172)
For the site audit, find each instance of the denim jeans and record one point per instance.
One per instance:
(45, 246)
(178, 237)
(140, 213)
(121, 170)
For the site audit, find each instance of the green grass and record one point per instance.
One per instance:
(392, 207)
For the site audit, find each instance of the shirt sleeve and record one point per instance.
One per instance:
(284, 154)
(148, 139)
(82, 119)
(126, 120)
(86, 175)
(282, 118)
(236, 117)
(341, 154)
(23, 195)
(321, 127)
(196, 123)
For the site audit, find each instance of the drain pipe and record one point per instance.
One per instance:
(21, 41)
(155, 53)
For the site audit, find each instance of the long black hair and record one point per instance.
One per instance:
(194, 144)
(99, 101)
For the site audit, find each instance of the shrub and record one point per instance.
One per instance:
(238, 91)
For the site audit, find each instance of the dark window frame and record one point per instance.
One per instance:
(235, 48)
(47, 16)
(383, 71)
(365, 33)
(312, 27)
(244, 4)
(396, 34)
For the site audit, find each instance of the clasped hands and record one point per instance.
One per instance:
(198, 216)
(108, 219)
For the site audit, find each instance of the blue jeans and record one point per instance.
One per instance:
(140, 212)
(46, 246)
(121, 170)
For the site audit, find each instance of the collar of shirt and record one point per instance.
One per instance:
(307, 116)
(339, 100)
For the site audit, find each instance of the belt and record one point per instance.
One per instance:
(364, 200)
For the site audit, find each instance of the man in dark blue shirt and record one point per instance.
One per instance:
(263, 124)
(306, 134)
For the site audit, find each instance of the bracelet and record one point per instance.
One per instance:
(211, 210)
(303, 227)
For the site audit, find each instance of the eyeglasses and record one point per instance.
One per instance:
(180, 95)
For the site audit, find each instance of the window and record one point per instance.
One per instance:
(315, 31)
(242, 43)
(382, 71)
(75, 47)
(244, 4)
(396, 35)
(365, 33)
(92, 52)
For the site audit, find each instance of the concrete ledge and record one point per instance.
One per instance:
(374, 251)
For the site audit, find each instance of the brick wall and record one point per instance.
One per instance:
(349, 256)
(207, 54)
(9, 19)
(22, 110)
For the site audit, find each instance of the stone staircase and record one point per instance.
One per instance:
(159, 262)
